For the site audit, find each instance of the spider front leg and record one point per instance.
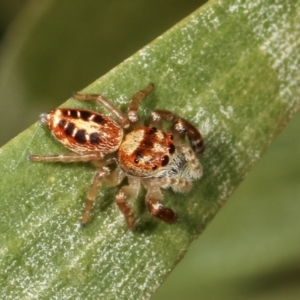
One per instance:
(180, 128)
(125, 193)
(154, 204)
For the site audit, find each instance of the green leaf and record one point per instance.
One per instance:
(231, 69)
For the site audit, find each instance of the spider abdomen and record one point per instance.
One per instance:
(84, 130)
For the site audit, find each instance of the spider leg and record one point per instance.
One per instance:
(124, 194)
(135, 102)
(154, 204)
(103, 174)
(67, 157)
(121, 117)
(180, 128)
(124, 120)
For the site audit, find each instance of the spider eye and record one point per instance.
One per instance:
(171, 148)
(165, 160)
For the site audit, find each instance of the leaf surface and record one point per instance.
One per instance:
(227, 70)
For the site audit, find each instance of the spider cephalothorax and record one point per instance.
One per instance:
(147, 155)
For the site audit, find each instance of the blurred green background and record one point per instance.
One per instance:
(51, 48)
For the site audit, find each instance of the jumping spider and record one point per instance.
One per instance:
(146, 155)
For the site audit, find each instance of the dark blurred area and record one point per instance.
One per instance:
(9, 9)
